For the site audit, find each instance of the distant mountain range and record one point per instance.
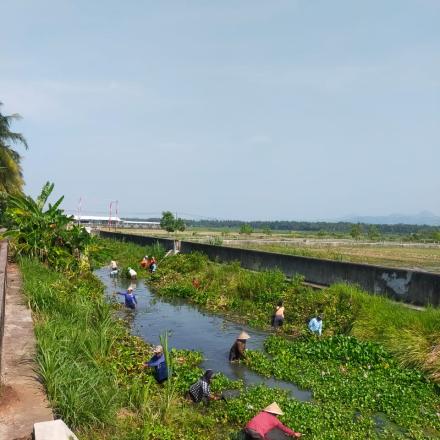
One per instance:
(422, 218)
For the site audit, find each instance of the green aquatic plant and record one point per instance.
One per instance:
(353, 377)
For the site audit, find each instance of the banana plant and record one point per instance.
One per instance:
(45, 233)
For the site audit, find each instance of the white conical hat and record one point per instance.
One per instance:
(274, 409)
(243, 335)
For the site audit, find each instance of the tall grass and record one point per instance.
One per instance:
(75, 333)
(412, 336)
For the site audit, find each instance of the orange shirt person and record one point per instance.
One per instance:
(145, 262)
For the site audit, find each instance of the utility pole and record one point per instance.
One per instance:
(117, 213)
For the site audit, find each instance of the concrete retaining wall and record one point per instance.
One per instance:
(3, 279)
(415, 287)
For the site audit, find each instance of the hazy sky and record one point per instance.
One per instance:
(252, 109)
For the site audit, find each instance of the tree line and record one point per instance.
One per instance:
(306, 226)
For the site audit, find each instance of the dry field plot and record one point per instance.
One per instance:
(409, 257)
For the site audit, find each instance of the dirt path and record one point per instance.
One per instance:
(22, 400)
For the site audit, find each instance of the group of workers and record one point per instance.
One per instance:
(149, 263)
(314, 325)
(146, 263)
(265, 425)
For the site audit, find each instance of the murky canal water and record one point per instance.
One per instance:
(193, 329)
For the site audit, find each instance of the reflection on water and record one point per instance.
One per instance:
(193, 329)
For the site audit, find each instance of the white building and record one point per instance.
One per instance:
(96, 220)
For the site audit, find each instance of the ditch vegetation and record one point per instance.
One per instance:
(374, 374)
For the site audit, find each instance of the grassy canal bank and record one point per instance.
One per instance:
(374, 373)
(92, 366)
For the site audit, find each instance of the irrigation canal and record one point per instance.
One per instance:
(193, 329)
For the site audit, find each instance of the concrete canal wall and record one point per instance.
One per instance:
(414, 287)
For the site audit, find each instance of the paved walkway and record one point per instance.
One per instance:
(22, 401)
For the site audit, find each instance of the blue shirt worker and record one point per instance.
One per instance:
(130, 298)
(315, 325)
(159, 363)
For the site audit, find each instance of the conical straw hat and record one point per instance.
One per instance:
(243, 335)
(274, 409)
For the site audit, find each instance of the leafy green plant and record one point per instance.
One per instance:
(47, 234)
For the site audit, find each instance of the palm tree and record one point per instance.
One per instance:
(11, 176)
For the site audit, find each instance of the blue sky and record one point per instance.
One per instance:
(300, 109)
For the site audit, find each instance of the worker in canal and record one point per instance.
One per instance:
(315, 325)
(201, 390)
(113, 268)
(130, 298)
(132, 273)
(145, 262)
(265, 425)
(159, 363)
(278, 316)
(238, 349)
(153, 264)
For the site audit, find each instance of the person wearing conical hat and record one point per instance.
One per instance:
(266, 423)
(159, 363)
(238, 349)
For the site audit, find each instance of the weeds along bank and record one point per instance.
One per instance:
(412, 336)
(369, 374)
(92, 370)
(92, 367)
